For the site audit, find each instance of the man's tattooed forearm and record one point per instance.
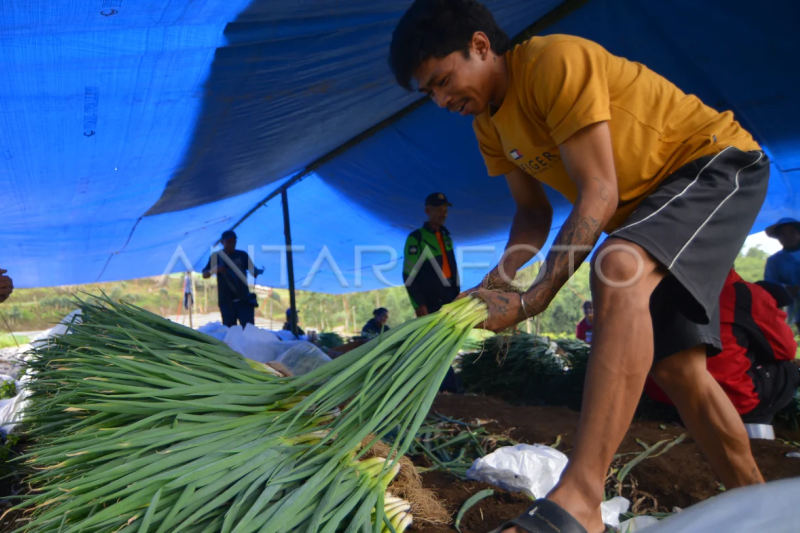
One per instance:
(575, 240)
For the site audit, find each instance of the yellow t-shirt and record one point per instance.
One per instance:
(560, 84)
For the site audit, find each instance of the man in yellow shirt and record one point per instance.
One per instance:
(676, 186)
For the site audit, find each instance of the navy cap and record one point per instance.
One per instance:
(436, 199)
(227, 235)
(777, 291)
(772, 231)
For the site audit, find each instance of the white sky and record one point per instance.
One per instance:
(762, 241)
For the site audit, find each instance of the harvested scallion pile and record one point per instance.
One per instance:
(142, 425)
(527, 369)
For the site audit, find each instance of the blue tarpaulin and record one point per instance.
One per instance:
(133, 133)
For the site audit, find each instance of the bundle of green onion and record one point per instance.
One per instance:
(142, 425)
(329, 339)
(528, 369)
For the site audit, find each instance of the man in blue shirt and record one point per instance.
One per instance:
(784, 266)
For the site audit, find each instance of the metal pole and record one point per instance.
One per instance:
(271, 314)
(287, 232)
(191, 304)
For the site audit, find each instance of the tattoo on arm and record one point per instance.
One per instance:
(503, 308)
(572, 246)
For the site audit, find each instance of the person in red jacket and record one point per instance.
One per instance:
(583, 330)
(757, 368)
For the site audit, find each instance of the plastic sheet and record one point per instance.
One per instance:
(133, 133)
(302, 357)
(214, 329)
(770, 507)
(155, 124)
(265, 346)
(11, 411)
(61, 328)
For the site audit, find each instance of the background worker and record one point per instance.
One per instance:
(756, 368)
(377, 324)
(784, 266)
(233, 292)
(188, 298)
(430, 272)
(287, 326)
(583, 330)
(6, 286)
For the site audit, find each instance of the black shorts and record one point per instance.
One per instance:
(776, 384)
(694, 223)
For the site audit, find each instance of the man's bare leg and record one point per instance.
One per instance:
(621, 357)
(709, 416)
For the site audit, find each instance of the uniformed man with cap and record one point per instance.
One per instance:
(784, 266)
(429, 270)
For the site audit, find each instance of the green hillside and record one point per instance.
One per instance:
(37, 309)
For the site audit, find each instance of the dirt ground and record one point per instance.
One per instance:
(678, 478)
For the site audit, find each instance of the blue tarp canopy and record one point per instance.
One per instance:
(133, 133)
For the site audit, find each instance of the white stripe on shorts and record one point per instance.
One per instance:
(651, 215)
(760, 155)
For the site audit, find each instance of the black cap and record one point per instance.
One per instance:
(436, 199)
(227, 235)
(777, 291)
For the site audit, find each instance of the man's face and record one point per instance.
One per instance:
(789, 236)
(436, 215)
(383, 318)
(457, 83)
(229, 245)
(588, 312)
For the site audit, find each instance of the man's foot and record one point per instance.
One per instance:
(583, 511)
(590, 519)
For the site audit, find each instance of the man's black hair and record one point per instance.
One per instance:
(379, 311)
(437, 28)
(587, 303)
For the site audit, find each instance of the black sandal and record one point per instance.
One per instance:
(545, 516)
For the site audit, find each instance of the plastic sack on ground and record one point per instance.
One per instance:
(533, 470)
(214, 329)
(770, 507)
(611, 509)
